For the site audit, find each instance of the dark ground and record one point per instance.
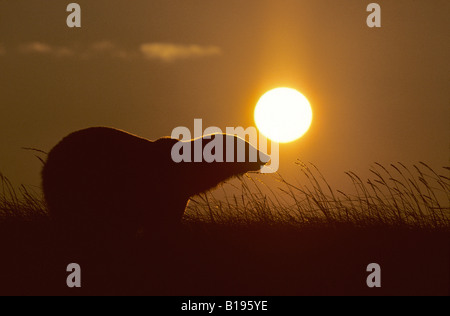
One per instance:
(212, 259)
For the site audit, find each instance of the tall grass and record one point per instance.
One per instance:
(418, 197)
(395, 195)
(23, 203)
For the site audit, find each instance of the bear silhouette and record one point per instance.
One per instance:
(106, 181)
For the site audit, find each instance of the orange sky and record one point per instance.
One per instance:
(377, 94)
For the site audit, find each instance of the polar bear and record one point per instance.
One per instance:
(107, 181)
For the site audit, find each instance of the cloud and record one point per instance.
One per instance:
(101, 48)
(46, 49)
(36, 47)
(106, 49)
(172, 52)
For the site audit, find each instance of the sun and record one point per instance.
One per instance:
(283, 115)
